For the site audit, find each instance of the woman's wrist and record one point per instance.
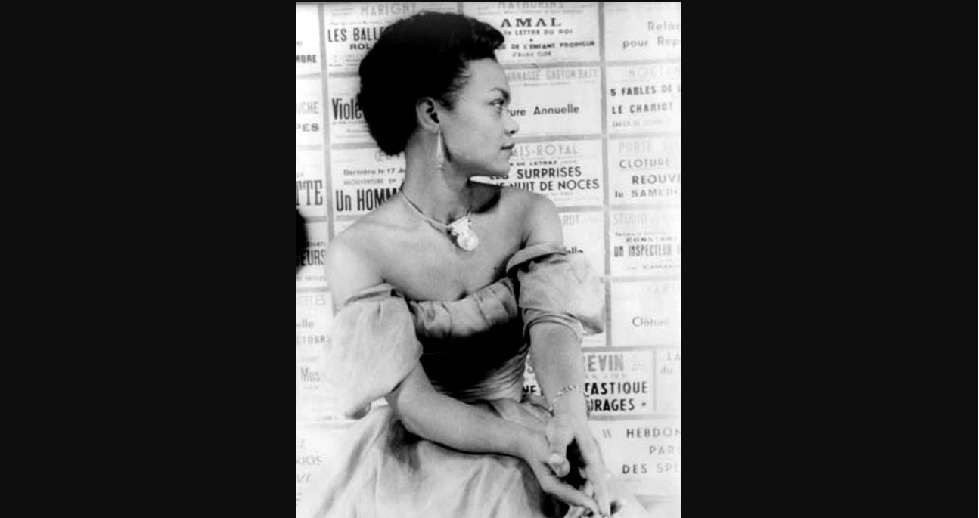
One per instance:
(523, 442)
(571, 404)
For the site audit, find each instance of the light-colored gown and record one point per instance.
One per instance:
(473, 349)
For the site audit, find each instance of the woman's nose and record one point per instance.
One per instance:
(510, 125)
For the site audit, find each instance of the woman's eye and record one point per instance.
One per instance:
(498, 103)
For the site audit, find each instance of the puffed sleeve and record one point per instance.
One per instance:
(556, 286)
(372, 348)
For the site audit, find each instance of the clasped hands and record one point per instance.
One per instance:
(567, 462)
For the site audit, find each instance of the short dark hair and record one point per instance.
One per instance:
(424, 55)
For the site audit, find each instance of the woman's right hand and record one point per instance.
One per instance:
(548, 466)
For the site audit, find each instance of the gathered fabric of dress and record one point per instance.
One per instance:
(473, 349)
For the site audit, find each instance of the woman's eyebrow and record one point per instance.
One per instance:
(506, 93)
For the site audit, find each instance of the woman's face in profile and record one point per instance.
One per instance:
(479, 130)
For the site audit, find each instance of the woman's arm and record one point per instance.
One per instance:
(555, 354)
(445, 420)
(450, 422)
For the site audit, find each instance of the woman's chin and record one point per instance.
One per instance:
(502, 172)
(494, 170)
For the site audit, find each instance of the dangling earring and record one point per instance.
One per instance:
(439, 154)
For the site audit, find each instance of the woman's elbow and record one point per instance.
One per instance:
(404, 410)
(410, 400)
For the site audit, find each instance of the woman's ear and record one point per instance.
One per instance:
(426, 114)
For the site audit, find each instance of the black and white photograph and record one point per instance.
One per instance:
(488, 286)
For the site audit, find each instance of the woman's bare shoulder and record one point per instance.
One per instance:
(535, 214)
(367, 232)
(350, 263)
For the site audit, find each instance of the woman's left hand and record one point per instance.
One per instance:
(564, 430)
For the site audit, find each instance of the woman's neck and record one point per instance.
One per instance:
(444, 196)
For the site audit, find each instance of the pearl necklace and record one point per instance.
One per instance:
(460, 229)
